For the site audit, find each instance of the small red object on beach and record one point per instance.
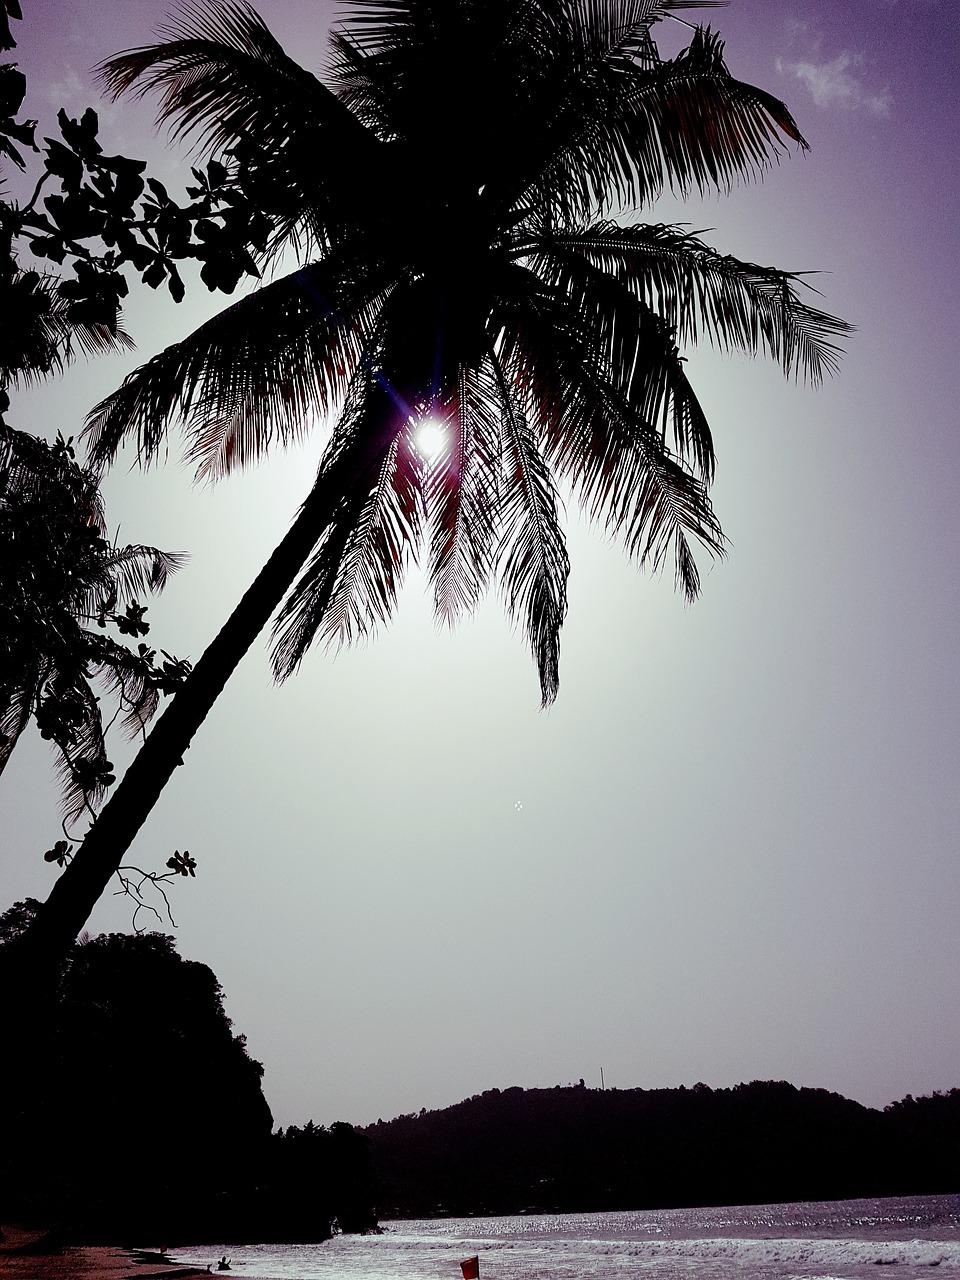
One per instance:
(470, 1268)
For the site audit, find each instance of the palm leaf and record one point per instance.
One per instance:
(76, 795)
(622, 124)
(251, 375)
(16, 703)
(351, 582)
(461, 492)
(533, 561)
(123, 675)
(690, 124)
(128, 573)
(633, 340)
(701, 293)
(599, 426)
(46, 337)
(225, 82)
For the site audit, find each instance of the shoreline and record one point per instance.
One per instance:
(31, 1255)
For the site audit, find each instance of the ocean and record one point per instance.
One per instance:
(828, 1240)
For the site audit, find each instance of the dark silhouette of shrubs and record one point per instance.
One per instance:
(320, 1178)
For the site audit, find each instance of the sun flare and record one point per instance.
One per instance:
(430, 438)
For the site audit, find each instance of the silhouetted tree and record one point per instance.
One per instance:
(463, 263)
(61, 583)
(148, 1116)
(318, 1178)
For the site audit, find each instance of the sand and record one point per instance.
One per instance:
(24, 1255)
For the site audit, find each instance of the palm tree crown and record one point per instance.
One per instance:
(459, 191)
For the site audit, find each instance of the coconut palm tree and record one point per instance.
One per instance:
(461, 191)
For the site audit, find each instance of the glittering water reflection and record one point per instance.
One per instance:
(833, 1240)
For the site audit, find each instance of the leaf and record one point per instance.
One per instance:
(65, 164)
(13, 89)
(81, 135)
(533, 561)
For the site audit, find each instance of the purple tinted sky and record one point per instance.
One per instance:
(730, 850)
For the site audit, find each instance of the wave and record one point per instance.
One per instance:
(917, 1238)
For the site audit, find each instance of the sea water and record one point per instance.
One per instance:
(890, 1239)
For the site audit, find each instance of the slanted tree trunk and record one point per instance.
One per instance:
(74, 895)
(344, 482)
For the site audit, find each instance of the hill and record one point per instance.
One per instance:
(575, 1149)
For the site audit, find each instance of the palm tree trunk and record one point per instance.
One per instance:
(77, 890)
(344, 479)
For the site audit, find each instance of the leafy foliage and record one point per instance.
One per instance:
(105, 216)
(98, 215)
(318, 1176)
(59, 589)
(457, 265)
(471, 265)
(60, 576)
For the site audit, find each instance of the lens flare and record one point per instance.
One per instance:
(431, 439)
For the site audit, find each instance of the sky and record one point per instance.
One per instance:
(729, 850)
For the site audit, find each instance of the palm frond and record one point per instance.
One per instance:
(15, 707)
(132, 572)
(631, 338)
(222, 75)
(597, 427)
(250, 376)
(533, 561)
(351, 582)
(87, 748)
(42, 337)
(383, 539)
(461, 492)
(624, 124)
(124, 676)
(690, 124)
(704, 294)
(225, 83)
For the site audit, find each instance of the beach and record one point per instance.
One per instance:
(28, 1255)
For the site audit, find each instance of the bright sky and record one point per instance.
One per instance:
(729, 851)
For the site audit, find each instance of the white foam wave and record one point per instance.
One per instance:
(915, 1239)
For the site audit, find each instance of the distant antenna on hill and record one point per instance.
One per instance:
(602, 1085)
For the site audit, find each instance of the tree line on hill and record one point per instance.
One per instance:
(575, 1149)
(147, 1121)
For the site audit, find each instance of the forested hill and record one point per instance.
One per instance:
(577, 1149)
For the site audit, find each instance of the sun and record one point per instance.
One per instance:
(430, 437)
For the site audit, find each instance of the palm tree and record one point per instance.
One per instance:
(460, 192)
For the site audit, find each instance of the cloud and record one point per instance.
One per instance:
(62, 93)
(835, 83)
(75, 93)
